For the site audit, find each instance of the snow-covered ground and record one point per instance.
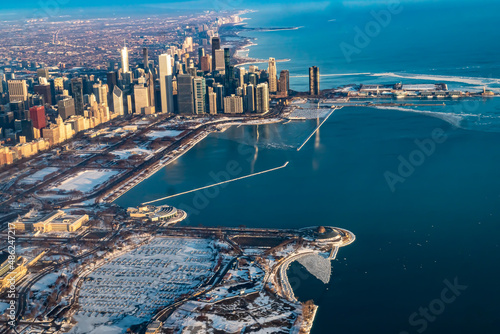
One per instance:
(267, 313)
(309, 113)
(155, 134)
(44, 282)
(38, 176)
(86, 180)
(125, 154)
(130, 288)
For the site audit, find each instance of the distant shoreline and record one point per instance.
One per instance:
(244, 45)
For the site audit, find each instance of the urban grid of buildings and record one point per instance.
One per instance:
(42, 106)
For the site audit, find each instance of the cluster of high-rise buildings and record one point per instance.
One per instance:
(45, 110)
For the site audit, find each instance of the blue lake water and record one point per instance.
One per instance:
(439, 220)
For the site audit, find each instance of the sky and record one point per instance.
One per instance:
(32, 4)
(29, 9)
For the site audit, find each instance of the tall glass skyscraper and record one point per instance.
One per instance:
(166, 88)
(125, 66)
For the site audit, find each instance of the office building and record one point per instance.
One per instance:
(141, 98)
(37, 116)
(112, 80)
(314, 81)
(118, 106)
(206, 64)
(77, 90)
(66, 108)
(42, 73)
(218, 61)
(201, 54)
(145, 59)
(273, 87)
(101, 93)
(125, 65)
(219, 91)
(215, 47)
(44, 92)
(18, 91)
(166, 87)
(150, 83)
(185, 98)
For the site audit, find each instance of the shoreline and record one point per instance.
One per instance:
(247, 42)
(114, 194)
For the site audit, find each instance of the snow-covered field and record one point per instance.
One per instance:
(44, 282)
(155, 134)
(309, 113)
(129, 289)
(86, 180)
(38, 176)
(125, 154)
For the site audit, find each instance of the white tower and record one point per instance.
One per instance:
(125, 66)
(166, 88)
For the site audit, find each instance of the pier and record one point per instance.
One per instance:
(217, 184)
(317, 128)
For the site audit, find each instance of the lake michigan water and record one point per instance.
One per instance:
(436, 225)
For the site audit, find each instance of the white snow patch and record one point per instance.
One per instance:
(86, 180)
(39, 175)
(155, 134)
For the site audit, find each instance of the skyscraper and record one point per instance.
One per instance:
(233, 104)
(206, 63)
(77, 90)
(145, 58)
(18, 91)
(262, 98)
(227, 58)
(199, 90)
(250, 98)
(215, 46)
(42, 73)
(150, 83)
(101, 93)
(118, 106)
(44, 91)
(185, 94)
(140, 98)
(218, 61)
(219, 91)
(314, 81)
(201, 54)
(166, 89)
(284, 83)
(273, 87)
(125, 66)
(37, 116)
(112, 79)
(212, 102)
(66, 108)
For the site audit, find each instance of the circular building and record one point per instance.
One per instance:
(322, 233)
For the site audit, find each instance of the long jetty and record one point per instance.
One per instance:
(217, 184)
(317, 128)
